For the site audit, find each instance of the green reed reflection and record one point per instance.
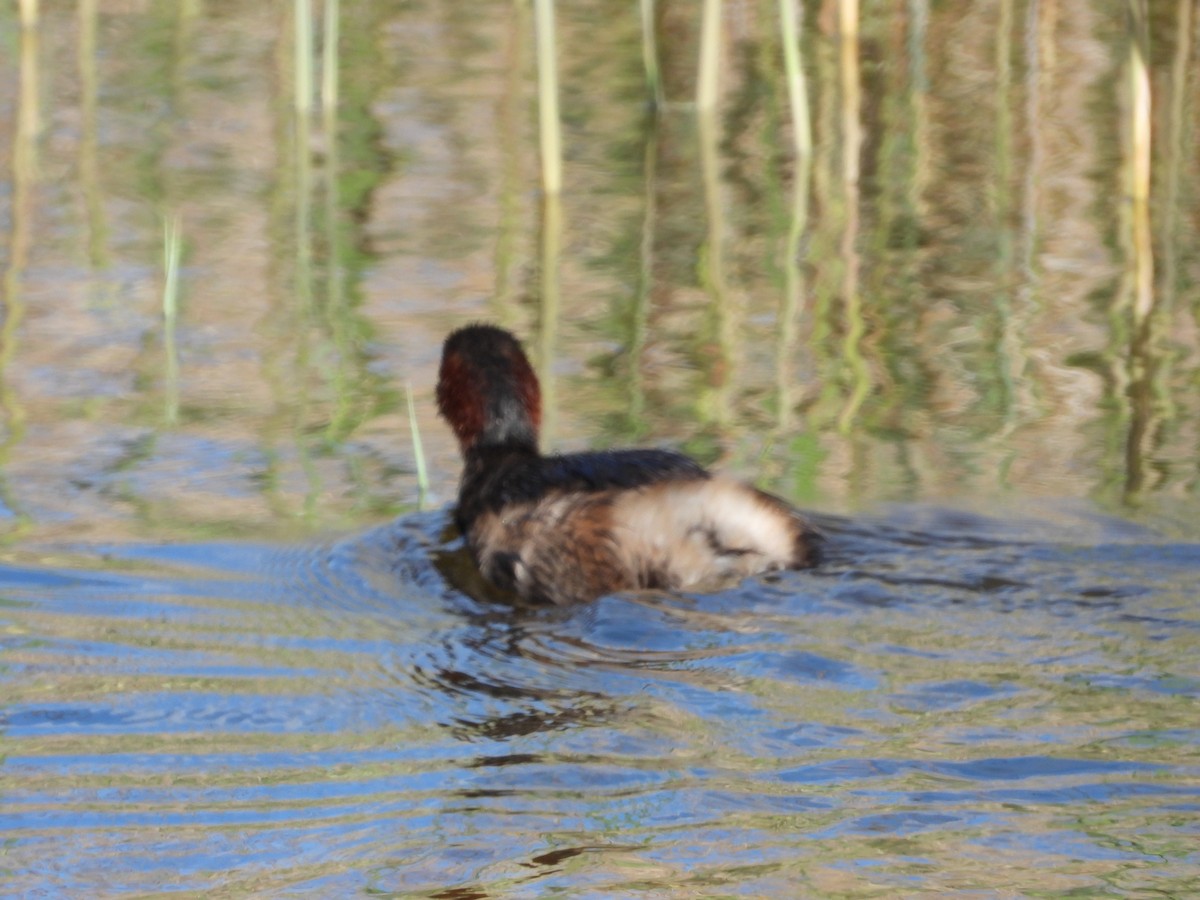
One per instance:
(1145, 358)
(639, 317)
(511, 153)
(172, 255)
(864, 252)
(795, 284)
(1171, 238)
(710, 56)
(24, 183)
(647, 8)
(549, 122)
(851, 136)
(89, 168)
(718, 338)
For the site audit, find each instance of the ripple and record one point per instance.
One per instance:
(945, 683)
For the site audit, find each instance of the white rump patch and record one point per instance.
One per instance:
(698, 531)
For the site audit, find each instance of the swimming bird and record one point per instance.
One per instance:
(570, 528)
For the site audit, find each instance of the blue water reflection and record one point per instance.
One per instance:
(337, 717)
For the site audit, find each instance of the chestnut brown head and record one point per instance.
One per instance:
(487, 390)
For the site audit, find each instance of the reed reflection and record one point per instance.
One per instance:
(20, 240)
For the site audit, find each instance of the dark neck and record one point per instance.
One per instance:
(486, 456)
(485, 469)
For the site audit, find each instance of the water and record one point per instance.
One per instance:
(241, 652)
(949, 697)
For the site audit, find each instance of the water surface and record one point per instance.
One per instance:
(240, 652)
(948, 696)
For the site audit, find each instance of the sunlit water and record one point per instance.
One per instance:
(947, 698)
(955, 332)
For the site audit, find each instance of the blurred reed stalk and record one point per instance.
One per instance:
(303, 53)
(824, 272)
(549, 124)
(1040, 55)
(789, 21)
(29, 13)
(1000, 200)
(302, 84)
(717, 407)
(330, 89)
(1175, 151)
(851, 98)
(329, 70)
(1176, 155)
(417, 448)
(650, 52)
(512, 153)
(550, 131)
(1146, 359)
(344, 418)
(89, 168)
(303, 67)
(1139, 158)
(794, 287)
(710, 56)
(848, 59)
(172, 252)
(22, 212)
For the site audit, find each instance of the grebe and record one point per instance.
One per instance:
(566, 529)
